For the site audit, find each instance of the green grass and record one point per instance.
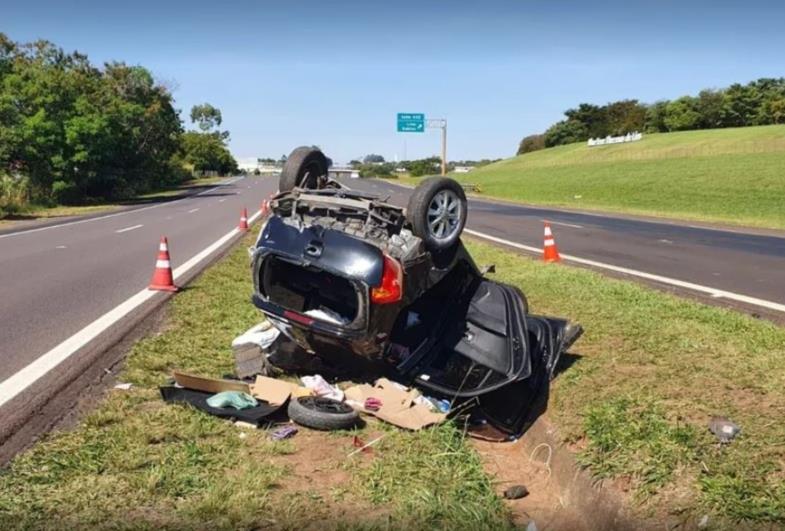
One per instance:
(633, 405)
(647, 375)
(725, 175)
(136, 462)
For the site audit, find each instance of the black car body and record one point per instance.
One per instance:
(341, 274)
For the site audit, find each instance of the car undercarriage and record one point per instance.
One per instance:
(371, 289)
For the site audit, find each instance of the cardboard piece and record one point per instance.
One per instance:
(209, 385)
(398, 405)
(274, 391)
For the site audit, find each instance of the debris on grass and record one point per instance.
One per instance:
(516, 492)
(724, 429)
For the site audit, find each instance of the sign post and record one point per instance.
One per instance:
(409, 122)
(414, 122)
(441, 123)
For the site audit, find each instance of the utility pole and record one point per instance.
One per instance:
(441, 123)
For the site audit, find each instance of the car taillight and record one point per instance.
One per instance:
(391, 288)
(298, 317)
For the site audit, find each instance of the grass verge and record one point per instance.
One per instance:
(644, 381)
(32, 212)
(136, 462)
(725, 175)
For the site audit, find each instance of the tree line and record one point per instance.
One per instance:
(759, 102)
(74, 132)
(373, 165)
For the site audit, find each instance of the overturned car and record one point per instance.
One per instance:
(370, 288)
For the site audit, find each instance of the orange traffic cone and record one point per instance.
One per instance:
(265, 208)
(549, 251)
(162, 278)
(243, 220)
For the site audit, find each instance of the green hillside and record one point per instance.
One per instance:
(725, 175)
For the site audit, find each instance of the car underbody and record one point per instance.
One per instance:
(352, 281)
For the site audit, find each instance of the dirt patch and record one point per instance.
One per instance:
(318, 469)
(511, 463)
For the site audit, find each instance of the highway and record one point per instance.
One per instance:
(55, 280)
(730, 266)
(64, 287)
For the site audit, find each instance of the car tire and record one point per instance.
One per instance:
(306, 167)
(322, 413)
(437, 212)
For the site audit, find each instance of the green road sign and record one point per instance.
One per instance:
(411, 122)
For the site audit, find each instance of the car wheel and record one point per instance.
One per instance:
(437, 212)
(322, 413)
(306, 167)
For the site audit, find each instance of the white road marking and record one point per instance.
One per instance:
(222, 200)
(116, 214)
(61, 247)
(713, 292)
(21, 380)
(564, 224)
(192, 210)
(129, 228)
(664, 241)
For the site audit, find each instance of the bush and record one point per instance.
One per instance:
(66, 193)
(14, 194)
(531, 143)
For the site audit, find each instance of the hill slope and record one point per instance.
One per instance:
(725, 175)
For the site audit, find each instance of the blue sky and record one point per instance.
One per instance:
(335, 73)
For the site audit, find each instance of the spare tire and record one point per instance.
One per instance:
(306, 167)
(322, 413)
(437, 212)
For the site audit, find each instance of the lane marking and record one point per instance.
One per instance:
(61, 247)
(222, 200)
(192, 210)
(713, 292)
(129, 228)
(564, 224)
(116, 214)
(21, 380)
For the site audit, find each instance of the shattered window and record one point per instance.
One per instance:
(455, 371)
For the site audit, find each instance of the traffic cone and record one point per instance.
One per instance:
(162, 277)
(265, 207)
(549, 251)
(243, 220)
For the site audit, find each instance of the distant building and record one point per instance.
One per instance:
(463, 169)
(254, 165)
(342, 171)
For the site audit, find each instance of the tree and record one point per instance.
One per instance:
(531, 143)
(593, 118)
(709, 106)
(79, 132)
(625, 116)
(420, 167)
(373, 159)
(207, 152)
(566, 132)
(775, 109)
(655, 117)
(206, 117)
(681, 114)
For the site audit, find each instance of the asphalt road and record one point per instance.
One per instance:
(57, 279)
(750, 264)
